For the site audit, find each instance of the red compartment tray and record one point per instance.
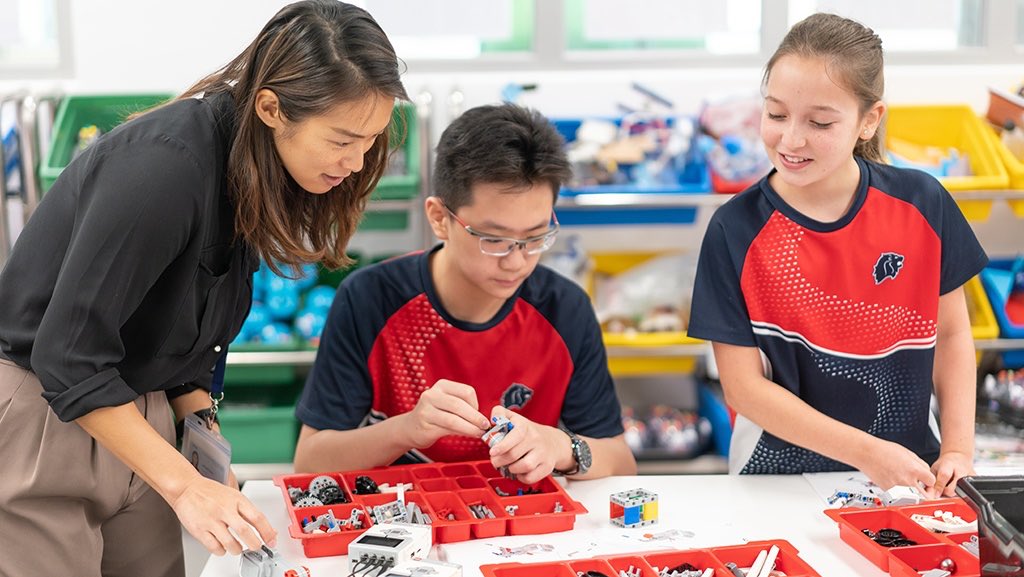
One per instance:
(448, 487)
(650, 564)
(907, 561)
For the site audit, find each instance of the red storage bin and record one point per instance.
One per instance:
(650, 564)
(436, 488)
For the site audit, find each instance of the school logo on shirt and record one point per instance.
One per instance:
(516, 396)
(888, 266)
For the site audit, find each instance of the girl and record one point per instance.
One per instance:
(135, 273)
(832, 289)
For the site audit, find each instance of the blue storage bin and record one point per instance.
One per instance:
(997, 278)
(692, 178)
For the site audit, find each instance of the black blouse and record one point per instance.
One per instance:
(127, 279)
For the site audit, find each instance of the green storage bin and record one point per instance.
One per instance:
(75, 112)
(385, 220)
(407, 184)
(260, 423)
(335, 277)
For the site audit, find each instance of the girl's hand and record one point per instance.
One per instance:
(889, 464)
(948, 469)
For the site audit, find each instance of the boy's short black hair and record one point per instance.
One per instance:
(500, 144)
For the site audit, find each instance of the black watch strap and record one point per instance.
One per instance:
(204, 414)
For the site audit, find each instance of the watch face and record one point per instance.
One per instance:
(581, 451)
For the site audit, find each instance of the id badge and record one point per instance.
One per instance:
(207, 450)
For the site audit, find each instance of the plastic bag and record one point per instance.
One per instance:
(646, 297)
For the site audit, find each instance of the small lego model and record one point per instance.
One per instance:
(633, 508)
(495, 434)
(266, 562)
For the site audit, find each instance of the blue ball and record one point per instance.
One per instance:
(282, 303)
(320, 298)
(310, 274)
(258, 316)
(310, 324)
(276, 334)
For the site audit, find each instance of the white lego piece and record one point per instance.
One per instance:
(901, 495)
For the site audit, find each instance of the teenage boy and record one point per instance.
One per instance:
(420, 352)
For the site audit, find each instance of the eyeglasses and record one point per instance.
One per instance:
(502, 246)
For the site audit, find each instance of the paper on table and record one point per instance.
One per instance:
(828, 484)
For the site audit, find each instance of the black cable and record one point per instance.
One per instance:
(355, 568)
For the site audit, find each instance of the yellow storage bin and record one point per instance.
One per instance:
(955, 126)
(643, 363)
(983, 320)
(1014, 168)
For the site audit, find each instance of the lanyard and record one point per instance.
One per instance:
(217, 384)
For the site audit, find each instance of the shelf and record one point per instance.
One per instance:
(640, 199)
(715, 200)
(252, 358)
(306, 358)
(999, 344)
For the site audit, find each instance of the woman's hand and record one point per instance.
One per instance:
(221, 518)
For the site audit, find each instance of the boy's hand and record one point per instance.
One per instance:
(530, 451)
(447, 408)
(891, 464)
(948, 468)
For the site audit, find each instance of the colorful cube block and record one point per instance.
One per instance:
(633, 508)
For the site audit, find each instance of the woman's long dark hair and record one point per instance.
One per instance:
(314, 55)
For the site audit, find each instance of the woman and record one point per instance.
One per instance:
(135, 273)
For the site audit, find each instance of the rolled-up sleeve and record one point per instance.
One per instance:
(130, 220)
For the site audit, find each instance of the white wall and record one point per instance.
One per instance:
(121, 47)
(128, 46)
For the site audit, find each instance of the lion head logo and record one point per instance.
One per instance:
(888, 266)
(516, 396)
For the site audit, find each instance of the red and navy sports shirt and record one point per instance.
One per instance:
(388, 339)
(845, 312)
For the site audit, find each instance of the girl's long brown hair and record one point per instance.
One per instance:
(314, 55)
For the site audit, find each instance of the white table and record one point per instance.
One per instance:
(717, 509)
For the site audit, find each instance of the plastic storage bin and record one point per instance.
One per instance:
(997, 278)
(983, 319)
(853, 522)
(625, 365)
(657, 563)
(75, 112)
(406, 184)
(1015, 170)
(448, 488)
(403, 185)
(260, 423)
(693, 177)
(958, 127)
(999, 504)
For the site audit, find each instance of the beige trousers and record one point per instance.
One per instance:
(70, 507)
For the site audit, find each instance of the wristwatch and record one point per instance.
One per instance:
(580, 453)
